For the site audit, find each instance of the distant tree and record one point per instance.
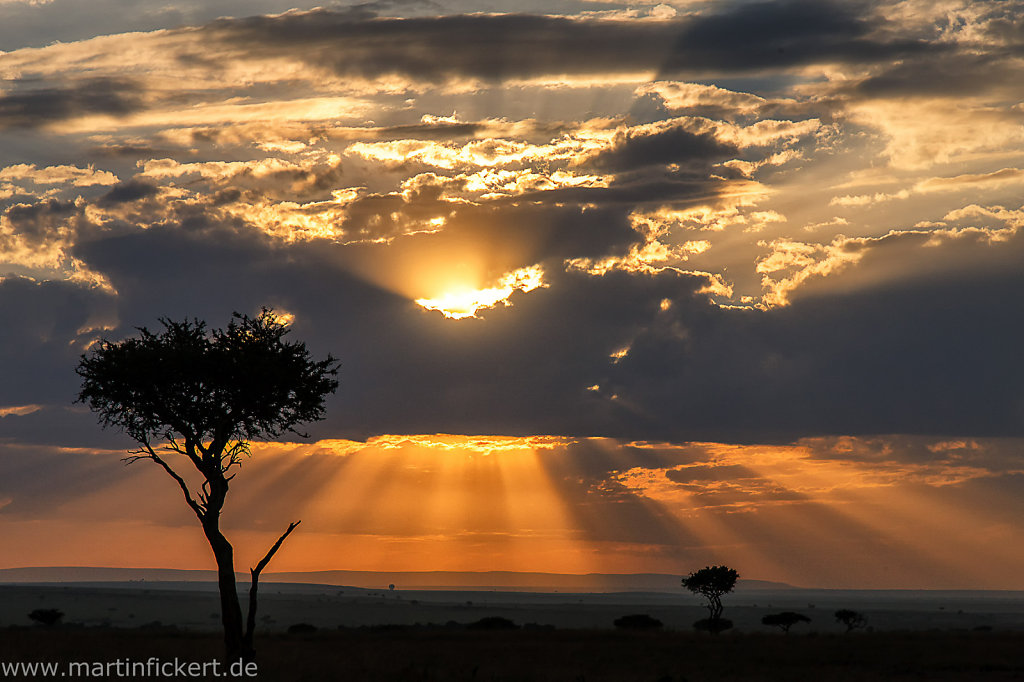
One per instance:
(47, 617)
(492, 623)
(853, 620)
(195, 398)
(711, 583)
(785, 620)
(637, 621)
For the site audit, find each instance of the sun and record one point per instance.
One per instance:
(461, 303)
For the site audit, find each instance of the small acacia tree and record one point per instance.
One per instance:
(853, 620)
(195, 398)
(785, 620)
(46, 617)
(711, 583)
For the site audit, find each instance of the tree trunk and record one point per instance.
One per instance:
(230, 608)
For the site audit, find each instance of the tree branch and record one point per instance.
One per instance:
(199, 510)
(250, 625)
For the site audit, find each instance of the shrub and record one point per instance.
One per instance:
(785, 620)
(46, 617)
(638, 621)
(493, 623)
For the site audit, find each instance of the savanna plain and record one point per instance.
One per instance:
(329, 632)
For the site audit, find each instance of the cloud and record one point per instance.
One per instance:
(661, 145)
(57, 175)
(125, 192)
(677, 95)
(704, 472)
(849, 362)
(746, 36)
(48, 325)
(36, 23)
(802, 269)
(35, 107)
(343, 165)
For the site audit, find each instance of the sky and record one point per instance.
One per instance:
(615, 287)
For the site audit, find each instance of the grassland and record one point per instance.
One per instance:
(371, 635)
(406, 654)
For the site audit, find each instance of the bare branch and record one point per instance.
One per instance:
(172, 443)
(273, 550)
(250, 625)
(199, 510)
(185, 449)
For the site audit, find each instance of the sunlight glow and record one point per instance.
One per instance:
(283, 317)
(462, 303)
(814, 513)
(19, 410)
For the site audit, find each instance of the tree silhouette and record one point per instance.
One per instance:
(47, 617)
(851, 619)
(637, 621)
(195, 398)
(711, 583)
(785, 620)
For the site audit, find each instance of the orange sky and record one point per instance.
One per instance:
(818, 513)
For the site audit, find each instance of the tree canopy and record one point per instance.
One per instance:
(221, 386)
(784, 620)
(711, 583)
(851, 619)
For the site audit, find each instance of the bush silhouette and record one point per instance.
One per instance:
(301, 629)
(638, 621)
(47, 617)
(492, 623)
(851, 619)
(785, 620)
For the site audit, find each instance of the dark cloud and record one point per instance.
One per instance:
(38, 480)
(131, 151)
(953, 75)
(46, 325)
(40, 221)
(930, 358)
(913, 357)
(633, 149)
(707, 472)
(993, 455)
(787, 33)
(523, 229)
(24, 24)
(129, 191)
(933, 354)
(27, 107)
(748, 36)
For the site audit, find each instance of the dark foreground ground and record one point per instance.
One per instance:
(564, 655)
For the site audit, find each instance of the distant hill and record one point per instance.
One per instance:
(503, 580)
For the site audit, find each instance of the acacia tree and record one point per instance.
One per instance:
(711, 583)
(194, 398)
(851, 619)
(785, 620)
